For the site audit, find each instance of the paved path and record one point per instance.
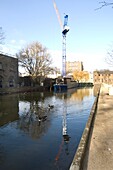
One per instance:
(101, 146)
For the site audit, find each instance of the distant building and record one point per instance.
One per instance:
(74, 66)
(8, 71)
(104, 76)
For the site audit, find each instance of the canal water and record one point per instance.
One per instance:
(34, 136)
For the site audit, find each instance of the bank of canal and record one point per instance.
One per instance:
(31, 134)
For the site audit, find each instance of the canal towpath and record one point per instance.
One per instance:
(100, 152)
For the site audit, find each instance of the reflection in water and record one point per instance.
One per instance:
(65, 136)
(80, 93)
(34, 118)
(77, 94)
(2, 154)
(8, 109)
(33, 114)
(39, 136)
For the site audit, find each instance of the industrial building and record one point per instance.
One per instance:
(74, 66)
(104, 76)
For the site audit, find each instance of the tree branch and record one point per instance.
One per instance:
(104, 4)
(2, 37)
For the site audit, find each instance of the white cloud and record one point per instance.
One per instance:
(22, 41)
(57, 58)
(8, 51)
(12, 47)
(19, 42)
(13, 41)
(91, 62)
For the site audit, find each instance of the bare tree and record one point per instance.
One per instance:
(109, 58)
(36, 61)
(104, 4)
(2, 37)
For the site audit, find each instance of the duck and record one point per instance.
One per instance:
(50, 106)
(42, 118)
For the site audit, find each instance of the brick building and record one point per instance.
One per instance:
(8, 71)
(104, 76)
(74, 66)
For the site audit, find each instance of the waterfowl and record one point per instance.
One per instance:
(42, 118)
(50, 106)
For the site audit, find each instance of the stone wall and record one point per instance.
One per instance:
(78, 160)
(8, 72)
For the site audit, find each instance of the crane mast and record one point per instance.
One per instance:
(64, 33)
(65, 29)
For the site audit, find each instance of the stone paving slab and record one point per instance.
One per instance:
(100, 155)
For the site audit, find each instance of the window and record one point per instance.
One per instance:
(11, 82)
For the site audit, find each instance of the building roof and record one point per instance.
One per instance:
(104, 72)
(7, 55)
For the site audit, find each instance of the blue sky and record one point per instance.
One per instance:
(89, 39)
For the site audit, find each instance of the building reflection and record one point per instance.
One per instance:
(80, 94)
(77, 94)
(31, 112)
(8, 109)
(28, 109)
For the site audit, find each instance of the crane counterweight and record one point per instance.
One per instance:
(65, 30)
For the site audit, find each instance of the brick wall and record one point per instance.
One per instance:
(8, 71)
